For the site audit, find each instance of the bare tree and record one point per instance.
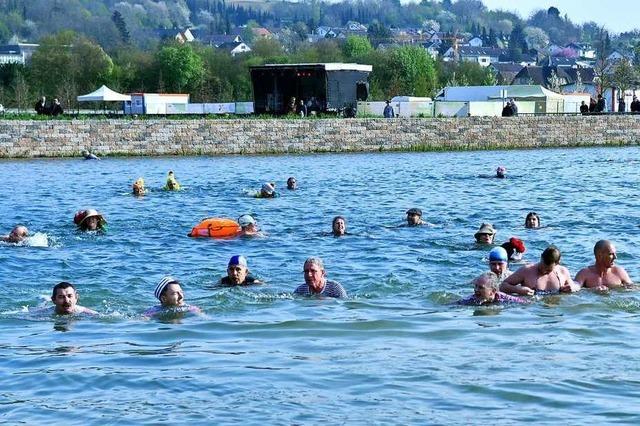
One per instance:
(623, 75)
(21, 93)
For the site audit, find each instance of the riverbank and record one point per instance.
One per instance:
(67, 138)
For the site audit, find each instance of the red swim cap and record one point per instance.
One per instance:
(517, 244)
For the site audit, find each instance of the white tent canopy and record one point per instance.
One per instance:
(103, 94)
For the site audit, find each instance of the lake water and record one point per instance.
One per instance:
(395, 351)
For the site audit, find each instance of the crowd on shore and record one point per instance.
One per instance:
(498, 285)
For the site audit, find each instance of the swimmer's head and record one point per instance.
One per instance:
(89, 220)
(246, 222)
(485, 234)
(339, 226)
(292, 183)
(65, 298)
(549, 258)
(268, 189)
(498, 260)
(414, 216)
(498, 254)
(237, 269)
(169, 292)
(501, 172)
(18, 233)
(532, 220)
(138, 187)
(485, 286)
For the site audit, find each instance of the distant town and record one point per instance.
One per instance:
(205, 48)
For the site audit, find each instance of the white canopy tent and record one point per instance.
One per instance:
(104, 94)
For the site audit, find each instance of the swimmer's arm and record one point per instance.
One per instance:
(624, 277)
(569, 285)
(512, 284)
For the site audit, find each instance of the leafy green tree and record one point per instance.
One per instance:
(356, 46)
(182, 69)
(67, 64)
(269, 49)
(415, 71)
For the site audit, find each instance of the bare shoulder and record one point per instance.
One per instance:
(622, 274)
(87, 311)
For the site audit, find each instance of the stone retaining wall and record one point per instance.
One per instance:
(59, 138)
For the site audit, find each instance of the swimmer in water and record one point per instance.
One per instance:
(172, 184)
(486, 234)
(499, 263)
(316, 282)
(268, 190)
(18, 234)
(238, 273)
(414, 217)
(545, 276)
(90, 220)
(485, 292)
(169, 293)
(138, 188)
(532, 220)
(65, 300)
(603, 274)
(515, 249)
(89, 156)
(248, 225)
(292, 184)
(339, 226)
(501, 172)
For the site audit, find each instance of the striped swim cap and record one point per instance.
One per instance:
(164, 282)
(238, 260)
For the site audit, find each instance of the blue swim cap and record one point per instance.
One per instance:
(498, 254)
(238, 260)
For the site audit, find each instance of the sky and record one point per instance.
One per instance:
(616, 15)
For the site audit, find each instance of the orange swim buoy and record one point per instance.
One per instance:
(216, 227)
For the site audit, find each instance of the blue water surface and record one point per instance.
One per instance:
(396, 351)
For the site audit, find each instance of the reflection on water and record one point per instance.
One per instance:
(396, 351)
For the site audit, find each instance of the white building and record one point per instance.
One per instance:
(153, 103)
(12, 54)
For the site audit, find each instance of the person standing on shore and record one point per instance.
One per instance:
(601, 105)
(56, 108)
(41, 106)
(514, 107)
(388, 110)
(635, 104)
(584, 108)
(603, 274)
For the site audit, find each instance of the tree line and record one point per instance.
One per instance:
(68, 64)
